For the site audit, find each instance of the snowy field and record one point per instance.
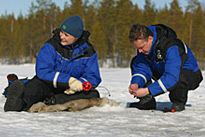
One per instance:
(105, 121)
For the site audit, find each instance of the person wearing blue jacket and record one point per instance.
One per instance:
(163, 64)
(63, 64)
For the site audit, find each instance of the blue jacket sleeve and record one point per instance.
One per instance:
(45, 68)
(91, 71)
(141, 72)
(171, 74)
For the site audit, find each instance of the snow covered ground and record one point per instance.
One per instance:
(105, 121)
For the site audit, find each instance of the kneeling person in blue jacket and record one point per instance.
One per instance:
(167, 60)
(63, 64)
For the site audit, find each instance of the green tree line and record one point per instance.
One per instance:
(108, 21)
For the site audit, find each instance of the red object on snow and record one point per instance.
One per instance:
(173, 110)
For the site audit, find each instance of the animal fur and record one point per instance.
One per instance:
(73, 106)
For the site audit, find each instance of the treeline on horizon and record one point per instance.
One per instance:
(108, 21)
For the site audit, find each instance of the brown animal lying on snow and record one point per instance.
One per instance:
(75, 105)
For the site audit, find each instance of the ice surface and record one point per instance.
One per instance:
(105, 121)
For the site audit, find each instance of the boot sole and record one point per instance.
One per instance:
(14, 101)
(178, 108)
(147, 106)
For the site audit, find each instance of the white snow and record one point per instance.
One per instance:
(105, 121)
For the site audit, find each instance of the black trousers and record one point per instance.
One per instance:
(36, 90)
(188, 80)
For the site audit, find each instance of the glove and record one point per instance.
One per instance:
(74, 84)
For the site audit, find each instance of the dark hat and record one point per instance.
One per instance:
(73, 26)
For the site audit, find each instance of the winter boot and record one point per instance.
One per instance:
(11, 78)
(14, 100)
(178, 106)
(146, 103)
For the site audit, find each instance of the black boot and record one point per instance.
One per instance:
(178, 106)
(11, 78)
(146, 103)
(14, 100)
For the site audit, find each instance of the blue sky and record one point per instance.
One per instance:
(17, 6)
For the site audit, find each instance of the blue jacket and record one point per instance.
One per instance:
(55, 63)
(167, 57)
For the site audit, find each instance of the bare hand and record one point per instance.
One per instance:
(132, 88)
(69, 92)
(140, 92)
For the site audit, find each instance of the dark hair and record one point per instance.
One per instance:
(139, 31)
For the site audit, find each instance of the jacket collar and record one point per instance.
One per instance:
(153, 29)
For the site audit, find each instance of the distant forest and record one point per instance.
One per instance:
(108, 21)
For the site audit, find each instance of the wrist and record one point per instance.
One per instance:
(149, 93)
